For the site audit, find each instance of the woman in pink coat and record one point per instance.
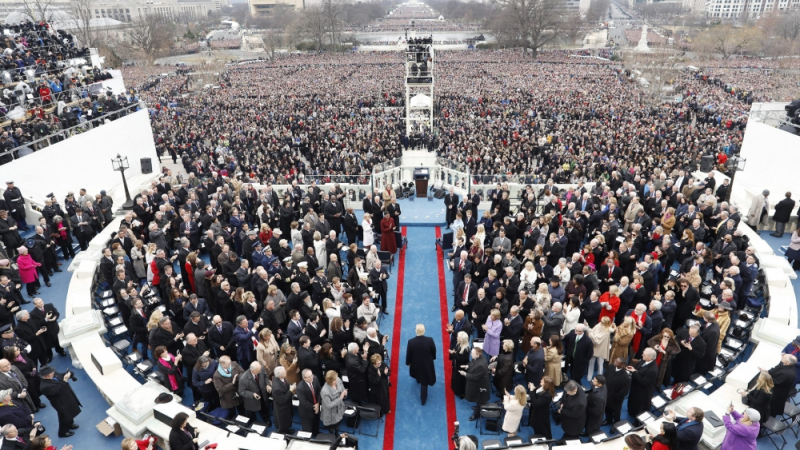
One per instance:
(493, 328)
(27, 271)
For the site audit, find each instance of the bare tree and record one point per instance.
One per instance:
(727, 40)
(332, 12)
(598, 11)
(314, 25)
(789, 27)
(658, 69)
(530, 24)
(38, 10)
(572, 25)
(82, 13)
(152, 34)
(273, 40)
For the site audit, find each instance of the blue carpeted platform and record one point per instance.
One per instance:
(422, 213)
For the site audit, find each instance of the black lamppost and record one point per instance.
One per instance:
(734, 164)
(121, 164)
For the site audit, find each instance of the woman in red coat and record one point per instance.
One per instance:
(388, 241)
(609, 303)
(188, 267)
(28, 273)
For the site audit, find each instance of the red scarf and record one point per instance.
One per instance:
(173, 380)
(658, 357)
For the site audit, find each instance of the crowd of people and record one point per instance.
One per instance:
(262, 321)
(632, 285)
(46, 81)
(30, 333)
(335, 116)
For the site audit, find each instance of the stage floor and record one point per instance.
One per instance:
(422, 213)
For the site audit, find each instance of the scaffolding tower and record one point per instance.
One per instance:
(419, 84)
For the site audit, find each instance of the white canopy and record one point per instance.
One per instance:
(420, 101)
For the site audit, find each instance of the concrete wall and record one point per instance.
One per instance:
(84, 160)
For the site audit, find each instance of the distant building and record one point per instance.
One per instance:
(695, 7)
(752, 9)
(265, 8)
(121, 10)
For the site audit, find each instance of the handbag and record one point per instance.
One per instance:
(677, 390)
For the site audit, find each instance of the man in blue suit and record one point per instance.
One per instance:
(690, 429)
(295, 328)
(195, 304)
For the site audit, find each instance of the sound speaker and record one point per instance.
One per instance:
(447, 240)
(147, 165)
(706, 163)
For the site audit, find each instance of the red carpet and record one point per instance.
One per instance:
(388, 432)
(450, 399)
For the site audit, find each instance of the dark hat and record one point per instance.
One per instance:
(46, 370)
(304, 295)
(258, 244)
(365, 295)
(320, 269)
(163, 398)
(210, 273)
(796, 341)
(6, 329)
(555, 280)
(102, 192)
(361, 320)
(634, 442)
(725, 305)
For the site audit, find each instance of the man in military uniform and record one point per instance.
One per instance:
(320, 287)
(70, 206)
(287, 275)
(9, 233)
(15, 204)
(302, 277)
(9, 339)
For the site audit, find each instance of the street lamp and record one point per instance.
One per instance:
(121, 164)
(734, 164)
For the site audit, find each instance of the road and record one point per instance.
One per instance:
(622, 19)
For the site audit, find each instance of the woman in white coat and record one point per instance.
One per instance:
(366, 224)
(514, 406)
(319, 250)
(572, 312)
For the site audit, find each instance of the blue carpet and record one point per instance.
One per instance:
(422, 213)
(417, 426)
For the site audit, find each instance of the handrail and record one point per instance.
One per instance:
(777, 115)
(66, 133)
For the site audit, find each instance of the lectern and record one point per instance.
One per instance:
(421, 176)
